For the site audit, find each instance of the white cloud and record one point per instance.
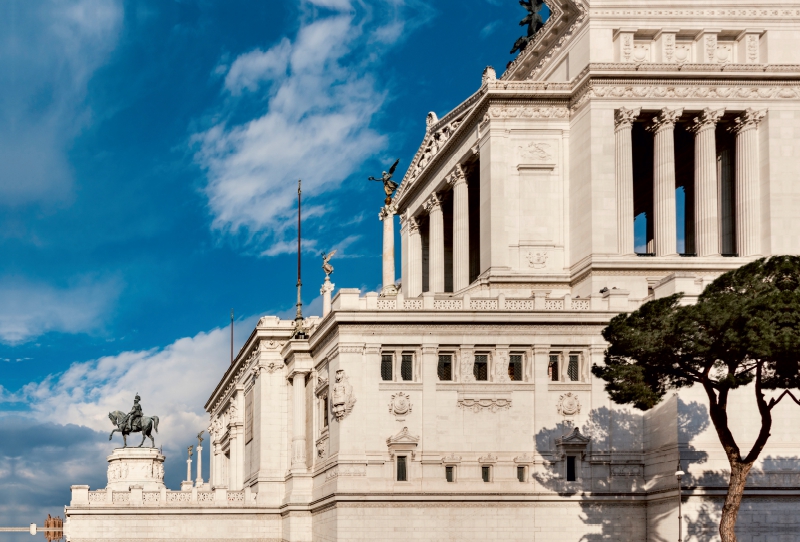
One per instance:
(321, 96)
(50, 48)
(28, 310)
(489, 29)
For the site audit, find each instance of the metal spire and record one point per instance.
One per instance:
(299, 332)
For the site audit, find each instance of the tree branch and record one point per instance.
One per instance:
(773, 401)
(766, 418)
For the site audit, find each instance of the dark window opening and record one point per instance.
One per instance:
(572, 368)
(521, 474)
(447, 216)
(386, 366)
(515, 368)
(481, 367)
(571, 471)
(406, 371)
(473, 174)
(486, 473)
(325, 412)
(445, 368)
(402, 476)
(552, 368)
(642, 142)
(449, 474)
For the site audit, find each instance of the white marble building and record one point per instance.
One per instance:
(460, 405)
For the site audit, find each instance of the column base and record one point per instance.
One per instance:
(187, 485)
(389, 290)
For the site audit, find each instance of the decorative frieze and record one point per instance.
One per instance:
(479, 402)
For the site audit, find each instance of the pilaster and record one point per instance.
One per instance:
(706, 204)
(748, 193)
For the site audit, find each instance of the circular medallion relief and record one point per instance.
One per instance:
(400, 405)
(568, 405)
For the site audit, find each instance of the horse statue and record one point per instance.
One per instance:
(147, 425)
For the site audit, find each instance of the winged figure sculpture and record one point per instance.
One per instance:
(533, 20)
(326, 266)
(389, 186)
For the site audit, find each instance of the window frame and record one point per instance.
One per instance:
(391, 355)
(524, 471)
(453, 470)
(475, 364)
(575, 468)
(558, 365)
(452, 366)
(490, 469)
(405, 464)
(402, 360)
(578, 366)
(521, 365)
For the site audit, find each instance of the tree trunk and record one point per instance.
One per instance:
(730, 511)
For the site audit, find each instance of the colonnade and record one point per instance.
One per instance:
(712, 198)
(410, 231)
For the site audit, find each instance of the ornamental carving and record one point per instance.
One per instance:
(568, 405)
(665, 120)
(536, 152)
(501, 367)
(626, 470)
(342, 397)
(624, 117)
(537, 260)
(488, 458)
(527, 112)
(467, 364)
(400, 405)
(748, 121)
(480, 404)
(707, 120)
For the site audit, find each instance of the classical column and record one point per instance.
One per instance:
(706, 204)
(325, 291)
(748, 195)
(414, 259)
(665, 234)
(436, 260)
(299, 421)
(387, 217)
(460, 229)
(623, 121)
(199, 481)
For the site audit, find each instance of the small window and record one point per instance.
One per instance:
(552, 368)
(515, 367)
(406, 372)
(521, 473)
(402, 475)
(571, 471)
(386, 366)
(572, 368)
(481, 367)
(325, 412)
(450, 473)
(445, 368)
(486, 473)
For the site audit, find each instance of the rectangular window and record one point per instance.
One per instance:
(486, 473)
(481, 367)
(449, 473)
(386, 366)
(521, 474)
(572, 368)
(552, 368)
(571, 471)
(325, 412)
(406, 371)
(515, 368)
(402, 476)
(445, 369)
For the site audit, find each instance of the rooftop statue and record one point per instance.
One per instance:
(134, 422)
(534, 21)
(326, 266)
(389, 186)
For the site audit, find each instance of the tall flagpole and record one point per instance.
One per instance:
(231, 336)
(298, 320)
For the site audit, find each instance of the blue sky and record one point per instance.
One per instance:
(150, 153)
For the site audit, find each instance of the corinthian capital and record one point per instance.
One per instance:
(666, 119)
(708, 119)
(413, 225)
(433, 203)
(456, 176)
(624, 117)
(387, 211)
(748, 121)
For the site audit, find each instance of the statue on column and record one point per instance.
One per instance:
(389, 186)
(134, 422)
(326, 266)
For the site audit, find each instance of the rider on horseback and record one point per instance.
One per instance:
(133, 419)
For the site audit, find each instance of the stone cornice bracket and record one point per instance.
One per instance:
(707, 120)
(433, 203)
(387, 211)
(665, 120)
(749, 120)
(624, 117)
(457, 176)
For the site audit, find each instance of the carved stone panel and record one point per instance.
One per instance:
(342, 397)
(400, 405)
(568, 405)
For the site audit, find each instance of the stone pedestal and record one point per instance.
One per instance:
(136, 467)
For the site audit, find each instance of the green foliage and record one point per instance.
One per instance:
(746, 320)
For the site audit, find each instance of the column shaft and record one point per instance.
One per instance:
(436, 247)
(387, 217)
(199, 480)
(748, 195)
(299, 421)
(706, 204)
(624, 167)
(460, 230)
(665, 234)
(414, 259)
